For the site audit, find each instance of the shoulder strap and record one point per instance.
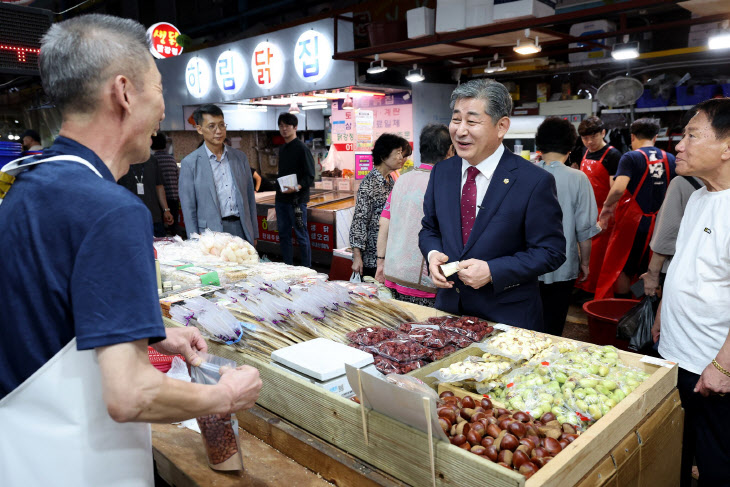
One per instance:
(693, 182)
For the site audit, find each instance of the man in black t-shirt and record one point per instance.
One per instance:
(599, 163)
(291, 203)
(145, 180)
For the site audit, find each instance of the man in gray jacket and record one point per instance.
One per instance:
(216, 189)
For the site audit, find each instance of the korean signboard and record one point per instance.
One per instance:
(198, 77)
(267, 65)
(230, 72)
(163, 39)
(312, 56)
(321, 235)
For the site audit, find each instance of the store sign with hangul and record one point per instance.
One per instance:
(312, 56)
(267, 65)
(198, 77)
(321, 235)
(163, 40)
(230, 72)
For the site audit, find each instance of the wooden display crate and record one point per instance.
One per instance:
(650, 414)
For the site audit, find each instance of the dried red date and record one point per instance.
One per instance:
(218, 437)
(439, 353)
(470, 327)
(427, 335)
(387, 366)
(402, 350)
(373, 335)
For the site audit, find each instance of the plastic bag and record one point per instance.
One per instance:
(403, 350)
(469, 326)
(219, 431)
(372, 335)
(636, 324)
(412, 384)
(355, 278)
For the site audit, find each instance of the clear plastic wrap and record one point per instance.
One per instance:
(387, 366)
(470, 327)
(427, 335)
(517, 344)
(412, 384)
(374, 335)
(473, 368)
(403, 350)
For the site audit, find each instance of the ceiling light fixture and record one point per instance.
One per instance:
(625, 50)
(415, 75)
(527, 46)
(720, 39)
(347, 104)
(314, 106)
(294, 108)
(376, 68)
(495, 69)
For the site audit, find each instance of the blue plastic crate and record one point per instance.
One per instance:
(648, 101)
(700, 94)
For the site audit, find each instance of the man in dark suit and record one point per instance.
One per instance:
(215, 188)
(494, 212)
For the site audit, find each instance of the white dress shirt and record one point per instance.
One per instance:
(223, 180)
(486, 171)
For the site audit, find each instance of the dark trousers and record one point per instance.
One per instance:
(158, 229)
(285, 223)
(555, 303)
(706, 439)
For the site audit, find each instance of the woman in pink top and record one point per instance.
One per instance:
(400, 265)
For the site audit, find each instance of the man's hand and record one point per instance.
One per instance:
(380, 272)
(291, 189)
(712, 381)
(438, 278)
(243, 384)
(167, 217)
(651, 283)
(584, 271)
(185, 341)
(607, 215)
(475, 273)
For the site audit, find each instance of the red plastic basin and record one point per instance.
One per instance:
(603, 316)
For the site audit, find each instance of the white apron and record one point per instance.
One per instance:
(55, 429)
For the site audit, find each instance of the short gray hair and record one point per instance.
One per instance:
(434, 143)
(79, 54)
(494, 94)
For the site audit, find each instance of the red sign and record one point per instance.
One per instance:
(163, 38)
(321, 235)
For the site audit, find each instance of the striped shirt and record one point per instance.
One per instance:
(223, 180)
(170, 174)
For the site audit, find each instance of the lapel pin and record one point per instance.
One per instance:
(505, 181)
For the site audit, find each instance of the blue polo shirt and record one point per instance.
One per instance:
(76, 260)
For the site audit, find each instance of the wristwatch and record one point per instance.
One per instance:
(165, 209)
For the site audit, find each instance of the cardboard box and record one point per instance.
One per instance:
(450, 15)
(517, 9)
(479, 12)
(421, 22)
(589, 28)
(699, 34)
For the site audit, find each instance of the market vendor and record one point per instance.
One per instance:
(694, 316)
(80, 301)
(503, 225)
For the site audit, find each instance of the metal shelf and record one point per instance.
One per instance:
(647, 110)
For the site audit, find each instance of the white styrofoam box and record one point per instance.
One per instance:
(589, 28)
(420, 22)
(450, 15)
(479, 12)
(699, 34)
(515, 9)
(321, 359)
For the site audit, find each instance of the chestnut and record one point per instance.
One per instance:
(504, 416)
(458, 440)
(491, 453)
(446, 394)
(519, 457)
(483, 422)
(528, 443)
(492, 420)
(502, 411)
(479, 409)
(452, 431)
(535, 440)
(547, 417)
(479, 428)
(552, 446)
(478, 449)
(531, 430)
(486, 403)
(564, 443)
(445, 425)
(538, 452)
(493, 430)
(528, 469)
(509, 442)
(542, 461)
(477, 416)
(463, 428)
(465, 446)
(505, 456)
(517, 429)
(505, 465)
(466, 413)
(487, 441)
(474, 438)
(521, 417)
(467, 402)
(568, 436)
(505, 422)
(568, 428)
(448, 413)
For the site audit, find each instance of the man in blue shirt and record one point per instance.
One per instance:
(79, 294)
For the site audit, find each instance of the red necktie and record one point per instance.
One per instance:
(468, 203)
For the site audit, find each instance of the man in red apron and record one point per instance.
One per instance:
(80, 302)
(637, 194)
(599, 163)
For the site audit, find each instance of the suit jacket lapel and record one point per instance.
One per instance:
(207, 173)
(452, 226)
(502, 181)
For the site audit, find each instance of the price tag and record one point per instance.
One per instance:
(327, 185)
(657, 361)
(343, 185)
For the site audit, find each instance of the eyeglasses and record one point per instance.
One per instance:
(211, 127)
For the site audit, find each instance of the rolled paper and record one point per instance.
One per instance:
(450, 268)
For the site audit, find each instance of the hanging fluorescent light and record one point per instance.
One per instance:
(720, 39)
(252, 108)
(527, 46)
(415, 75)
(314, 106)
(376, 68)
(494, 69)
(347, 104)
(294, 108)
(625, 50)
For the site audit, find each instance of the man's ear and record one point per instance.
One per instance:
(503, 126)
(199, 128)
(121, 90)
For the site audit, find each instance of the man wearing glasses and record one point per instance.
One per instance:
(216, 189)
